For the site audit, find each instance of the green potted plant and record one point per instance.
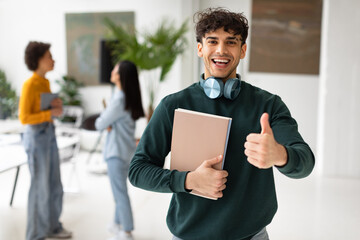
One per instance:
(69, 90)
(157, 50)
(69, 94)
(8, 98)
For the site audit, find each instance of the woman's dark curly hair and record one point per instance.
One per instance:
(33, 52)
(212, 19)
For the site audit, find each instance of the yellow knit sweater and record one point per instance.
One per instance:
(29, 106)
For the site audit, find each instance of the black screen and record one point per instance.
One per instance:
(106, 64)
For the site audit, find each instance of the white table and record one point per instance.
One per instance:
(10, 145)
(10, 126)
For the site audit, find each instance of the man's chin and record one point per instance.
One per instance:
(221, 76)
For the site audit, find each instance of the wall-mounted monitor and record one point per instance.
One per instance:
(106, 64)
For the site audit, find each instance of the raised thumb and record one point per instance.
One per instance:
(265, 125)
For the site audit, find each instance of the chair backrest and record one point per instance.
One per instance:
(75, 112)
(68, 133)
(89, 122)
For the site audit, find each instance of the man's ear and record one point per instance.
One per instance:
(199, 50)
(243, 51)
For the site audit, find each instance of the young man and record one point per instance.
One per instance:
(263, 135)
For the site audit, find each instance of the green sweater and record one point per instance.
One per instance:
(249, 200)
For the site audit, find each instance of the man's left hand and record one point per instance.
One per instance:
(262, 149)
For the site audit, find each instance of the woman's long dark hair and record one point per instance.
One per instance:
(129, 80)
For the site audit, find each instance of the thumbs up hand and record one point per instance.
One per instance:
(265, 125)
(262, 149)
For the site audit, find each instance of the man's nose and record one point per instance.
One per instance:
(221, 49)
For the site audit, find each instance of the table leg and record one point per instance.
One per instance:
(13, 192)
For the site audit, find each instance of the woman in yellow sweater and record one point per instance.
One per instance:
(46, 192)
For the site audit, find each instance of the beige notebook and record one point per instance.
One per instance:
(197, 137)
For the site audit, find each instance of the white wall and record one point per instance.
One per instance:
(42, 20)
(22, 21)
(338, 144)
(327, 123)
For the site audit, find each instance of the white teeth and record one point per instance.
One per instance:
(221, 60)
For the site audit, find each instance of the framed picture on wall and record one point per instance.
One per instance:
(285, 36)
(84, 34)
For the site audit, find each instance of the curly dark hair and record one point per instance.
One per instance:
(212, 19)
(33, 52)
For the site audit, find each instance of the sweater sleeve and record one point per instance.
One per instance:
(28, 113)
(110, 115)
(301, 159)
(146, 168)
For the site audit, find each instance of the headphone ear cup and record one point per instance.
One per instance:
(232, 88)
(213, 87)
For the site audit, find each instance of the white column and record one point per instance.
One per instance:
(339, 103)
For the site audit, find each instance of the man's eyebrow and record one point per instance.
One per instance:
(211, 37)
(228, 38)
(233, 38)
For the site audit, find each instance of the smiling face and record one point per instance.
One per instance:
(221, 52)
